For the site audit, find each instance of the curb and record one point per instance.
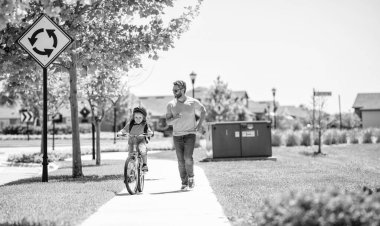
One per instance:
(51, 166)
(271, 158)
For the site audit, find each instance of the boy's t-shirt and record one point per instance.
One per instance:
(186, 124)
(137, 129)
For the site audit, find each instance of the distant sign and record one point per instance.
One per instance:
(84, 112)
(219, 108)
(26, 116)
(316, 93)
(44, 40)
(57, 117)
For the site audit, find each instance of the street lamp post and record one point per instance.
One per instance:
(192, 77)
(274, 107)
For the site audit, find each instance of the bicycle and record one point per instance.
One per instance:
(133, 174)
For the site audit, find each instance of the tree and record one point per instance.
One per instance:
(109, 35)
(321, 118)
(100, 87)
(221, 106)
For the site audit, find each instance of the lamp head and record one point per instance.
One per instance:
(193, 76)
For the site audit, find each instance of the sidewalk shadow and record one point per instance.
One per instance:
(66, 178)
(168, 192)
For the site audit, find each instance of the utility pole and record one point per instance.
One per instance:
(340, 115)
(313, 122)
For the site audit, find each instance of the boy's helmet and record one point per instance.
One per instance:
(140, 110)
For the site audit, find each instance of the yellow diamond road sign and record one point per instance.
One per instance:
(44, 40)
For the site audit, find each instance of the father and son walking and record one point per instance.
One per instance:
(180, 113)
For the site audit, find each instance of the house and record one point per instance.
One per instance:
(293, 112)
(367, 107)
(9, 115)
(260, 109)
(156, 108)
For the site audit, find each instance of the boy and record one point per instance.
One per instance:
(138, 126)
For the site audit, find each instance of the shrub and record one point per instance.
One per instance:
(353, 136)
(276, 139)
(377, 135)
(331, 137)
(292, 140)
(306, 138)
(324, 207)
(37, 157)
(342, 137)
(18, 129)
(367, 136)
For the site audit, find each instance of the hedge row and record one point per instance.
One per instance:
(328, 137)
(31, 130)
(323, 207)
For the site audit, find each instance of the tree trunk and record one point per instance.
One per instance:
(97, 129)
(77, 161)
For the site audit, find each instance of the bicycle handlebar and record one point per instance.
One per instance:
(130, 135)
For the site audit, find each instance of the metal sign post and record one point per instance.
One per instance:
(44, 40)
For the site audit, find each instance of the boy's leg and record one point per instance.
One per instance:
(179, 147)
(130, 150)
(143, 149)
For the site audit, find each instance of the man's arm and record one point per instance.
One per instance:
(201, 119)
(170, 118)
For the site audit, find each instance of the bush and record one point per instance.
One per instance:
(292, 140)
(367, 136)
(377, 135)
(59, 129)
(18, 129)
(37, 157)
(353, 136)
(306, 138)
(342, 137)
(330, 137)
(276, 139)
(324, 207)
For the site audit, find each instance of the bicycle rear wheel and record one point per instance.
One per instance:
(131, 175)
(141, 177)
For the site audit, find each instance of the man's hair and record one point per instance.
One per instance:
(181, 84)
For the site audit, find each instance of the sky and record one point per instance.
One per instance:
(294, 46)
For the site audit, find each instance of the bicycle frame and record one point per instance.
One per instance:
(133, 173)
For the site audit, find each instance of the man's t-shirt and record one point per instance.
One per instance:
(186, 124)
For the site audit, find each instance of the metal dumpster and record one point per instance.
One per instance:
(238, 139)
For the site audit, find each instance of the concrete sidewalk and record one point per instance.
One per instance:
(162, 202)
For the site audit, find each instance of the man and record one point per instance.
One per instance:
(181, 115)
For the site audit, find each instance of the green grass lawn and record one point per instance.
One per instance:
(242, 186)
(63, 200)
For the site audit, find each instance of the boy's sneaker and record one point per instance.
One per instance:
(145, 168)
(191, 182)
(184, 187)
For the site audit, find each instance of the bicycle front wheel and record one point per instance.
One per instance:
(141, 177)
(131, 175)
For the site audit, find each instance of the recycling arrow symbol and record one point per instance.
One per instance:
(33, 40)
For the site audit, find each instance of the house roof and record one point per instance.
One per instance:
(156, 105)
(240, 94)
(367, 101)
(257, 107)
(295, 112)
(201, 92)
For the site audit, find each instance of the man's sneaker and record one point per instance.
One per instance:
(191, 182)
(184, 187)
(145, 168)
